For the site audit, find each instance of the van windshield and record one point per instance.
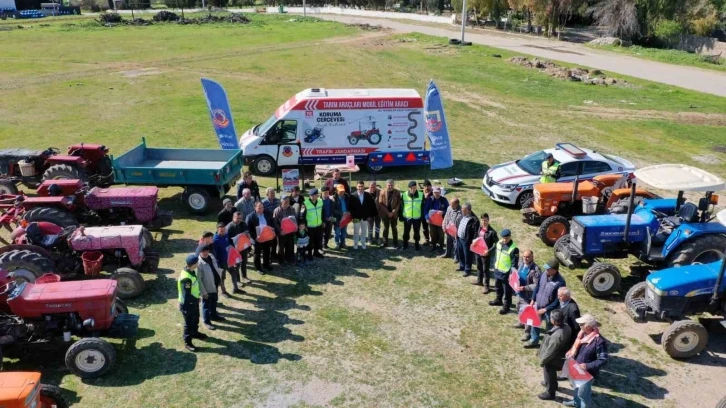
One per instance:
(262, 129)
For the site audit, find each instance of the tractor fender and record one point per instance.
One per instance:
(34, 248)
(687, 232)
(58, 159)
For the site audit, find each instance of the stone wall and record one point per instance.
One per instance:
(702, 45)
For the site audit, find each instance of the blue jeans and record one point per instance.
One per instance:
(535, 332)
(583, 395)
(340, 234)
(464, 254)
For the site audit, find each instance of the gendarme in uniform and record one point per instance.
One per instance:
(189, 294)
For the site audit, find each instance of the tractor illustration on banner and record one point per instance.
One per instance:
(367, 130)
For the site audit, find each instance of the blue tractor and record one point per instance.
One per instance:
(673, 294)
(659, 232)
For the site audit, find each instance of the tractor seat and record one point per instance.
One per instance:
(688, 213)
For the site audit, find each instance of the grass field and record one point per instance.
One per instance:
(670, 56)
(373, 328)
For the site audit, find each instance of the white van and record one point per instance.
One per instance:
(379, 127)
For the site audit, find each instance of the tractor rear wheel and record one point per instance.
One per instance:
(120, 306)
(197, 200)
(601, 280)
(64, 172)
(57, 216)
(636, 292)
(722, 403)
(26, 265)
(52, 397)
(685, 339)
(8, 187)
(130, 283)
(553, 228)
(704, 249)
(90, 357)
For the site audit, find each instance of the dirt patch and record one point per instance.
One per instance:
(720, 149)
(140, 72)
(469, 97)
(586, 76)
(316, 393)
(691, 118)
(368, 27)
(707, 159)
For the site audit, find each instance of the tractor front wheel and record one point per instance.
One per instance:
(601, 280)
(52, 215)
(704, 249)
(90, 357)
(52, 397)
(197, 200)
(553, 228)
(65, 172)
(120, 306)
(130, 283)
(8, 187)
(636, 292)
(685, 339)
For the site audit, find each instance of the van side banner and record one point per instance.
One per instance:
(220, 113)
(436, 129)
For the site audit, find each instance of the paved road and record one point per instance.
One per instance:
(712, 82)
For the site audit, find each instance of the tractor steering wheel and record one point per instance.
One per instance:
(659, 214)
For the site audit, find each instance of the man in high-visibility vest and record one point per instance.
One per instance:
(412, 214)
(550, 169)
(314, 219)
(189, 294)
(506, 259)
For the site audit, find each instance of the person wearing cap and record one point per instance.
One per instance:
(270, 202)
(590, 352)
(552, 353)
(189, 294)
(506, 257)
(452, 217)
(237, 272)
(332, 184)
(249, 183)
(550, 169)
(362, 209)
(465, 234)
(208, 275)
(286, 243)
(435, 202)
(228, 210)
(341, 207)
(427, 193)
(246, 203)
(313, 209)
(259, 218)
(484, 262)
(220, 245)
(544, 297)
(374, 223)
(389, 207)
(413, 201)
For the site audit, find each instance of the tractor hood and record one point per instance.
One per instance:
(33, 301)
(100, 238)
(686, 281)
(142, 200)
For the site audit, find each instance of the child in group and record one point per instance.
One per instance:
(302, 240)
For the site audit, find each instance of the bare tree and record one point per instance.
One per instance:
(618, 18)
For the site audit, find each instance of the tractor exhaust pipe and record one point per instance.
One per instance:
(631, 203)
(574, 190)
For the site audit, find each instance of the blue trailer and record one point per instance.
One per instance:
(205, 174)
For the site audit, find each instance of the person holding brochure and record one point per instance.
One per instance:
(552, 353)
(590, 352)
(544, 297)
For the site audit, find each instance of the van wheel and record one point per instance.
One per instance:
(264, 165)
(374, 169)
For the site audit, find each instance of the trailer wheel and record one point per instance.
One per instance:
(374, 138)
(25, 265)
(8, 187)
(601, 280)
(197, 200)
(64, 172)
(704, 249)
(90, 357)
(130, 283)
(52, 397)
(685, 339)
(264, 165)
(553, 228)
(57, 216)
(374, 169)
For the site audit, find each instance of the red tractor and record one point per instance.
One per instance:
(69, 203)
(79, 253)
(24, 389)
(54, 312)
(87, 162)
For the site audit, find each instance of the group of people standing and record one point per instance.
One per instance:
(324, 216)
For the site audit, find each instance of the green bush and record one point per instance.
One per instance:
(668, 31)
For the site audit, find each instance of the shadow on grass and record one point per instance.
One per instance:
(157, 291)
(256, 353)
(628, 376)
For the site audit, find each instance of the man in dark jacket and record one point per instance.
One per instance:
(331, 184)
(362, 209)
(225, 216)
(248, 182)
(484, 262)
(389, 208)
(544, 297)
(590, 352)
(234, 228)
(569, 308)
(220, 244)
(436, 202)
(341, 206)
(552, 353)
(286, 243)
(465, 234)
(529, 274)
(428, 191)
(260, 218)
(327, 218)
(506, 257)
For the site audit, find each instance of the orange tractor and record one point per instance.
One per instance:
(555, 203)
(22, 389)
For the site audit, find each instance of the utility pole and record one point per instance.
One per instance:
(463, 20)
(304, 11)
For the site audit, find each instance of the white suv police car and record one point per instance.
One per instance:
(511, 183)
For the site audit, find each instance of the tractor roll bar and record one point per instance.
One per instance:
(631, 203)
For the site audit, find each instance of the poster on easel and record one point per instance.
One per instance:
(290, 179)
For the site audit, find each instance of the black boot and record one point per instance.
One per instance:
(189, 346)
(417, 246)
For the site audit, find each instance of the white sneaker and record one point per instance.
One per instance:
(363, 245)
(355, 246)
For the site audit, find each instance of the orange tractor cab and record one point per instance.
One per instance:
(555, 203)
(24, 390)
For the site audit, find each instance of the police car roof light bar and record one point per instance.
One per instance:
(572, 150)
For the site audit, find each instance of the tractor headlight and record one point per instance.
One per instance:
(653, 289)
(508, 187)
